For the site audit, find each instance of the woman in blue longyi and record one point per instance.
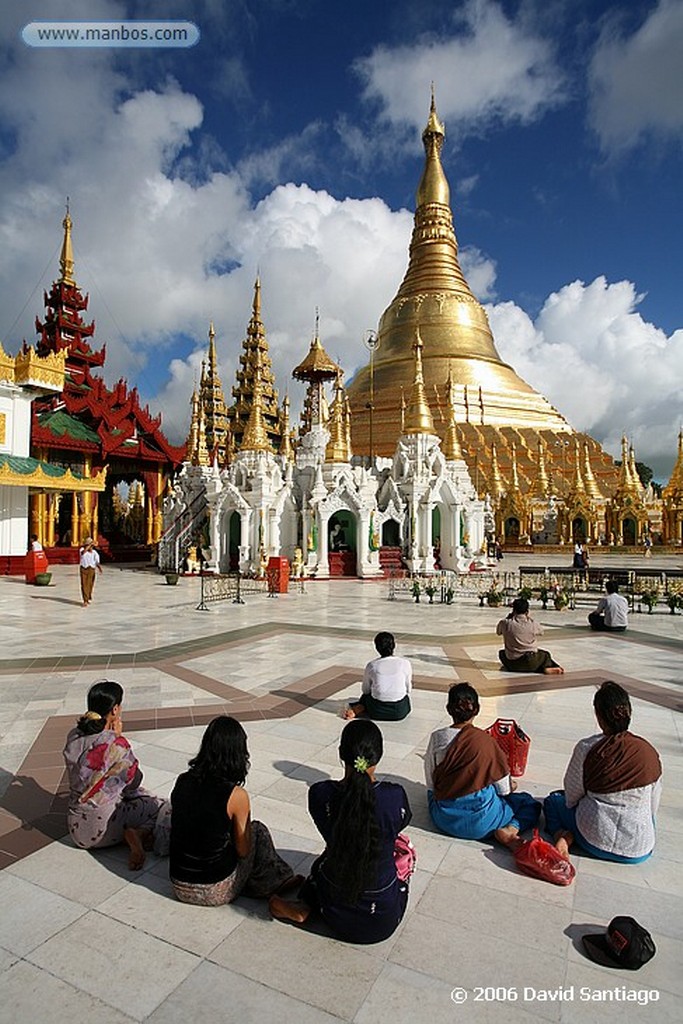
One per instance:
(469, 788)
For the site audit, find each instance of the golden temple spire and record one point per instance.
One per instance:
(592, 489)
(633, 471)
(286, 449)
(433, 187)
(255, 437)
(255, 350)
(337, 449)
(403, 410)
(193, 435)
(212, 347)
(514, 472)
(202, 449)
(578, 486)
(418, 416)
(212, 402)
(451, 444)
(625, 483)
(542, 483)
(675, 484)
(496, 488)
(66, 259)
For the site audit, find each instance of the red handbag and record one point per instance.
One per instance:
(513, 741)
(540, 859)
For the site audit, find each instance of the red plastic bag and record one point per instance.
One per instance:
(540, 859)
(513, 741)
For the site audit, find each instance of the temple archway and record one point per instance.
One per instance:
(234, 535)
(629, 532)
(579, 530)
(341, 540)
(391, 534)
(511, 530)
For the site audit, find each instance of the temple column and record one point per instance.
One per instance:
(51, 521)
(75, 521)
(95, 515)
(245, 546)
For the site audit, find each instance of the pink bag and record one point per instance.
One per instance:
(538, 858)
(405, 857)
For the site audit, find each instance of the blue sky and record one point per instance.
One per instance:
(288, 139)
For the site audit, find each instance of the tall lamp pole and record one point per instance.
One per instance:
(371, 342)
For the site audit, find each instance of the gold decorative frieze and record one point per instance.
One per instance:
(39, 477)
(40, 371)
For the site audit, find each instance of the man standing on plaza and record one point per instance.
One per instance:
(611, 615)
(90, 564)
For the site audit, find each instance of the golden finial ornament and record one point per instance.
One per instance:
(451, 444)
(286, 450)
(66, 258)
(337, 448)
(418, 418)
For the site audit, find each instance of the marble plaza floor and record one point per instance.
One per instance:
(82, 938)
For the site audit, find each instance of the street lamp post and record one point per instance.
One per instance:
(371, 342)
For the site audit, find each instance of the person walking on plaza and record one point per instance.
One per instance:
(611, 615)
(90, 564)
(521, 652)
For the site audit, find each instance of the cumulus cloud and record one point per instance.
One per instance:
(490, 68)
(590, 352)
(637, 81)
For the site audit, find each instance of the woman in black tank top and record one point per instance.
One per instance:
(217, 851)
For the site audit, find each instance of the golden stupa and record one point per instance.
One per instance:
(491, 402)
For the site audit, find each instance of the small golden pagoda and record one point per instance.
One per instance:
(212, 402)
(492, 404)
(314, 370)
(255, 352)
(672, 497)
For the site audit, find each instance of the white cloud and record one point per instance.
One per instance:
(608, 371)
(491, 68)
(637, 82)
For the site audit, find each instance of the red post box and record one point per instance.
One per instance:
(34, 562)
(278, 575)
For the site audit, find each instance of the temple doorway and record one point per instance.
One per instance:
(579, 530)
(511, 530)
(628, 532)
(391, 534)
(341, 541)
(234, 536)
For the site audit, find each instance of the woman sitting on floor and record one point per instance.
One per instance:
(353, 885)
(106, 804)
(387, 682)
(521, 652)
(217, 851)
(611, 790)
(469, 788)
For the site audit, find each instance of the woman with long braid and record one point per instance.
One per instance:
(353, 885)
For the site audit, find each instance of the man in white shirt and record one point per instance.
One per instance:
(387, 682)
(89, 565)
(611, 615)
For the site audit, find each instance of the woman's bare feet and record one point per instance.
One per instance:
(508, 835)
(353, 711)
(289, 910)
(554, 670)
(563, 840)
(134, 840)
(293, 882)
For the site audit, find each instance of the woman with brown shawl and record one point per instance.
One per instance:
(469, 788)
(611, 790)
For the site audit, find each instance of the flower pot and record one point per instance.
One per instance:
(494, 602)
(43, 579)
(560, 606)
(172, 578)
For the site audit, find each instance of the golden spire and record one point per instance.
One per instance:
(202, 449)
(212, 347)
(514, 472)
(212, 401)
(286, 449)
(433, 187)
(337, 449)
(193, 435)
(625, 483)
(255, 437)
(66, 259)
(578, 486)
(255, 350)
(403, 410)
(542, 484)
(633, 472)
(592, 489)
(497, 488)
(675, 483)
(419, 416)
(451, 444)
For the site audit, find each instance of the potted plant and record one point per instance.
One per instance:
(450, 594)
(416, 590)
(43, 579)
(674, 599)
(526, 593)
(494, 596)
(543, 595)
(649, 598)
(560, 597)
(430, 590)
